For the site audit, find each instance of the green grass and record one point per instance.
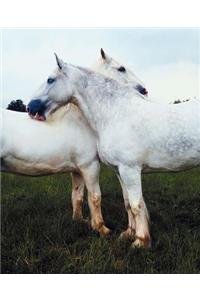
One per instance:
(39, 236)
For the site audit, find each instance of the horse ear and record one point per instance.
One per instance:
(103, 55)
(59, 62)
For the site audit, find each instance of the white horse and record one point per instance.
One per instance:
(63, 144)
(132, 135)
(109, 67)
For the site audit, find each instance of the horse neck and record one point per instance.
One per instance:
(64, 112)
(100, 99)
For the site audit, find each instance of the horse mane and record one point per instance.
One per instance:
(108, 80)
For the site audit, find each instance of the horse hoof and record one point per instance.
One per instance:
(104, 231)
(128, 234)
(139, 243)
(78, 218)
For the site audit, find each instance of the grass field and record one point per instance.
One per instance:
(39, 236)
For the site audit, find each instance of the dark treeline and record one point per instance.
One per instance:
(17, 105)
(180, 101)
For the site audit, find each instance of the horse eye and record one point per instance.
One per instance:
(121, 69)
(50, 80)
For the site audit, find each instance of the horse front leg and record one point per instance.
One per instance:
(129, 233)
(77, 196)
(131, 179)
(91, 178)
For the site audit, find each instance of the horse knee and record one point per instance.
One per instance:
(136, 208)
(95, 199)
(127, 204)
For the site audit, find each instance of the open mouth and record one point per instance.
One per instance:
(36, 110)
(37, 117)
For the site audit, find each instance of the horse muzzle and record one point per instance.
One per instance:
(36, 109)
(141, 90)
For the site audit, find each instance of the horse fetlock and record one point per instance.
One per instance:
(128, 234)
(98, 225)
(103, 230)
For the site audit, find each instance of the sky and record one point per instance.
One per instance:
(167, 60)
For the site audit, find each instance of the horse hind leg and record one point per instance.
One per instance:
(77, 196)
(91, 177)
(131, 178)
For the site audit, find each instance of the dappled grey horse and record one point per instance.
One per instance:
(133, 135)
(63, 144)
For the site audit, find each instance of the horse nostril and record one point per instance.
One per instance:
(145, 92)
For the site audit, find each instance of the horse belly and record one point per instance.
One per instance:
(32, 168)
(175, 166)
(162, 155)
(173, 159)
